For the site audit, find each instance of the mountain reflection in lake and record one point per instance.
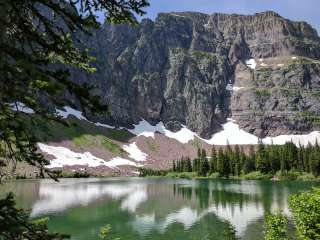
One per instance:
(154, 208)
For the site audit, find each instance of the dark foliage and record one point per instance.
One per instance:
(267, 159)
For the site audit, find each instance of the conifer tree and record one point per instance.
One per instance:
(204, 164)
(237, 165)
(220, 162)
(188, 165)
(213, 160)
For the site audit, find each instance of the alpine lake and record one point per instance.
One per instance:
(154, 208)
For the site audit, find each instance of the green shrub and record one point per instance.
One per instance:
(145, 172)
(187, 175)
(229, 232)
(295, 175)
(214, 175)
(276, 227)
(257, 175)
(306, 177)
(288, 175)
(306, 212)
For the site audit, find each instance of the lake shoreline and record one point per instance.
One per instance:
(250, 176)
(256, 176)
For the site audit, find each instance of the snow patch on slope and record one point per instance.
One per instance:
(68, 111)
(134, 152)
(143, 128)
(230, 87)
(66, 157)
(104, 125)
(251, 63)
(231, 134)
(302, 140)
(21, 107)
(237, 88)
(184, 135)
(234, 135)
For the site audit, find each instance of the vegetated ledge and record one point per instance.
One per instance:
(256, 175)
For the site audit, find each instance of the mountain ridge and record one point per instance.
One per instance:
(176, 70)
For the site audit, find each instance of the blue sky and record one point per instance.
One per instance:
(301, 10)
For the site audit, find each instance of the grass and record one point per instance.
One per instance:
(309, 116)
(262, 93)
(83, 134)
(119, 135)
(111, 146)
(197, 143)
(299, 61)
(87, 141)
(295, 175)
(152, 146)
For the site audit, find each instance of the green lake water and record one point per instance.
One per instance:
(154, 208)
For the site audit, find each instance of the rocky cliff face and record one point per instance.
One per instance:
(191, 69)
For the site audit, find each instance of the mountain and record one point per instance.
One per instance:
(194, 69)
(189, 80)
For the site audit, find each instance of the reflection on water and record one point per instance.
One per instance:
(57, 197)
(154, 208)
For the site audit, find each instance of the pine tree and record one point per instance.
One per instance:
(243, 159)
(220, 162)
(213, 160)
(261, 158)
(249, 165)
(188, 165)
(237, 166)
(199, 153)
(204, 164)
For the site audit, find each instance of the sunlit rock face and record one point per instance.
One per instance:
(195, 70)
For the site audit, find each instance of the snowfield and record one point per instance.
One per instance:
(234, 88)
(251, 63)
(143, 128)
(66, 157)
(231, 134)
(21, 107)
(68, 111)
(302, 140)
(230, 87)
(134, 152)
